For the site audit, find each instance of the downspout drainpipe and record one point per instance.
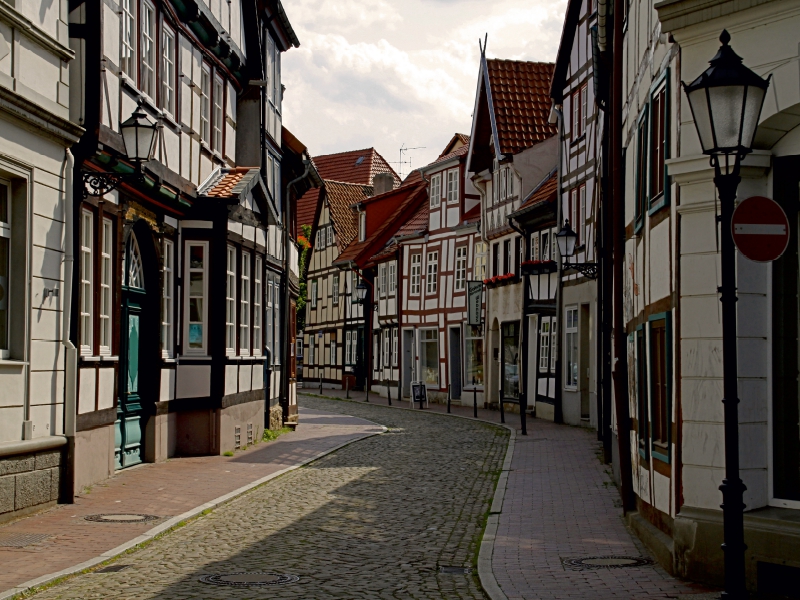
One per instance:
(558, 411)
(71, 353)
(620, 374)
(286, 296)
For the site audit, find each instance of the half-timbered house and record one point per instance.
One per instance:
(512, 149)
(200, 233)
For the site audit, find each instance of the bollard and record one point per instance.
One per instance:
(320, 384)
(474, 399)
(366, 387)
(347, 387)
(388, 392)
(502, 412)
(448, 399)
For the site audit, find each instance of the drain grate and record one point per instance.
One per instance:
(10, 539)
(604, 562)
(112, 569)
(455, 570)
(122, 518)
(252, 579)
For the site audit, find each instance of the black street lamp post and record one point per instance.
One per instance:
(566, 239)
(139, 137)
(726, 101)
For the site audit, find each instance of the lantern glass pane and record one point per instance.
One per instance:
(702, 120)
(752, 111)
(571, 239)
(727, 102)
(129, 136)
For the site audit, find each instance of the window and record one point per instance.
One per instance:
(257, 294)
(579, 108)
(386, 341)
(196, 296)
(641, 392)
(511, 360)
(230, 301)
(572, 215)
(127, 61)
(436, 190)
(106, 281)
(432, 279)
(507, 257)
(87, 240)
(133, 262)
(544, 344)
(244, 305)
(496, 259)
(452, 185)
(473, 371)
(205, 105)
(641, 167)
(571, 347)
(362, 226)
(350, 347)
(335, 288)
(480, 261)
(535, 246)
(582, 212)
(216, 125)
(392, 277)
(416, 271)
(517, 254)
(314, 290)
(330, 235)
(461, 268)
(382, 279)
(310, 356)
(276, 356)
(353, 286)
(5, 265)
(545, 245)
(658, 145)
(394, 347)
(168, 71)
(333, 349)
(429, 356)
(659, 387)
(166, 300)
(553, 344)
(270, 319)
(299, 347)
(148, 72)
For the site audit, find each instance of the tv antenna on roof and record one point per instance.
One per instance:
(404, 150)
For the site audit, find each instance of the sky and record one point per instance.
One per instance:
(392, 73)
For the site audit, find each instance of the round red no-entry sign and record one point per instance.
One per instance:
(760, 229)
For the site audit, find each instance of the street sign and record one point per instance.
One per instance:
(760, 229)
(474, 302)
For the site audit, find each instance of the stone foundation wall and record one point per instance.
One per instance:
(28, 482)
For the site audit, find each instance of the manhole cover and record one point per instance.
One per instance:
(455, 570)
(112, 569)
(604, 562)
(257, 578)
(122, 518)
(10, 539)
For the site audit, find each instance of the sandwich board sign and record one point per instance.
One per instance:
(474, 302)
(419, 393)
(760, 229)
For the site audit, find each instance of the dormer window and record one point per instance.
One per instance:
(362, 226)
(436, 190)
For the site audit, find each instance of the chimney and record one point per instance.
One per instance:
(382, 182)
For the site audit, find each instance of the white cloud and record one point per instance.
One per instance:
(370, 73)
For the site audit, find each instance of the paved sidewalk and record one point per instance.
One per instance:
(166, 490)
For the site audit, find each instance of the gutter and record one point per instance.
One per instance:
(70, 351)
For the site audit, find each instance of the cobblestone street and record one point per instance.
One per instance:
(376, 519)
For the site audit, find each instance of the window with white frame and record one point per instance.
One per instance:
(461, 268)
(432, 277)
(394, 347)
(147, 73)
(106, 281)
(257, 295)
(392, 277)
(166, 300)
(244, 305)
(335, 288)
(330, 235)
(299, 347)
(481, 257)
(582, 212)
(217, 116)
(168, 71)
(276, 356)
(333, 349)
(553, 344)
(350, 347)
(452, 185)
(127, 61)
(571, 347)
(230, 301)
(535, 246)
(579, 106)
(544, 344)
(382, 279)
(429, 356)
(544, 245)
(416, 272)
(196, 295)
(205, 104)
(310, 357)
(386, 342)
(269, 317)
(5, 265)
(436, 190)
(314, 293)
(87, 240)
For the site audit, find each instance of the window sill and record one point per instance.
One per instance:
(88, 358)
(657, 204)
(193, 358)
(662, 457)
(10, 362)
(169, 361)
(109, 358)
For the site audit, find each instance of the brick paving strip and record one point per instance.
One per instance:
(174, 491)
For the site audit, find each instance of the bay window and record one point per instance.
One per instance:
(196, 307)
(429, 356)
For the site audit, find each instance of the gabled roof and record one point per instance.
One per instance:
(520, 96)
(307, 207)
(461, 151)
(341, 196)
(458, 140)
(410, 198)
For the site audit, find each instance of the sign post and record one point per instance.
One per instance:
(760, 229)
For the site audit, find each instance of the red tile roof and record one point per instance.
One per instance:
(521, 100)
(459, 139)
(307, 207)
(228, 180)
(461, 151)
(341, 196)
(546, 192)
(417, 223)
